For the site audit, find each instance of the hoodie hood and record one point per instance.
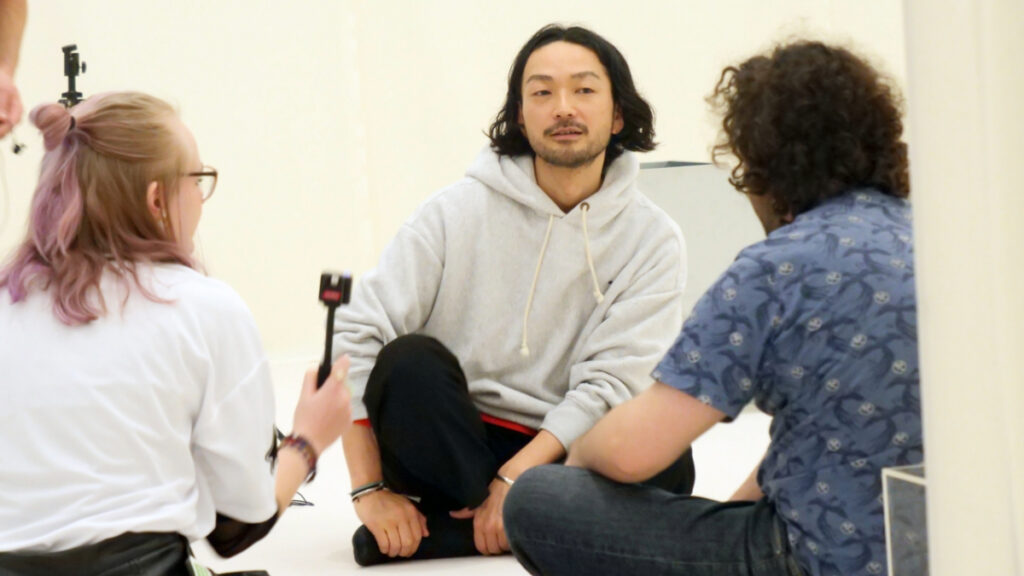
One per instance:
(513, 176)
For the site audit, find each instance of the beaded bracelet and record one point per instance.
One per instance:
(302, 445)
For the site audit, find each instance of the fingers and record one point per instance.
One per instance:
(488, 531)
(491, 538)
(335, 383)
(479, 538)
(463, 514)
(394, 541)
(16, 112)
(396, 524)
(502, 541)
(339, 370)
(409, 533)
(485, 533)
(381, 536)
(423, 524)
(309, 383)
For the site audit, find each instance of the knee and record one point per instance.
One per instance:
(536, 499)
(407, 361)
(411, 348)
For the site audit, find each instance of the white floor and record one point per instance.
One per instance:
(317, 540)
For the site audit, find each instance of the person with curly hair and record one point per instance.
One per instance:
(816, 325)
(512, 310)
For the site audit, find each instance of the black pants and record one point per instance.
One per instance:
(131, 554)
(432, 441)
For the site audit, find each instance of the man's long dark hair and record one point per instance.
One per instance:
(506, 134)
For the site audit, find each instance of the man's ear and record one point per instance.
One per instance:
(155, 201)
(519, 118)
(617, 122)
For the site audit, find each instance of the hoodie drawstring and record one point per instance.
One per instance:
(584, 208)
(524, 349)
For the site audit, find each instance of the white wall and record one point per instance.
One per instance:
(271, 93)
(434, 74)
(966, 115)
(331, 120)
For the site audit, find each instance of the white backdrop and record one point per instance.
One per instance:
(966, 115)
(331, 120)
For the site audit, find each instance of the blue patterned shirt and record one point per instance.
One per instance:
(817, 324)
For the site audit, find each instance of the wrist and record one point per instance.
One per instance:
(368, 489)
(512, 470)
(357, 480)
(299, 445)
(312, 439)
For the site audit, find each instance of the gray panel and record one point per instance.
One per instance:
(717, 221)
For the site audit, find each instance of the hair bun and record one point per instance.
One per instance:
(54, 121)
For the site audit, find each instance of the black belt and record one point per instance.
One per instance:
(130, 554)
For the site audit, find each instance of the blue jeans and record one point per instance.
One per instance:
(564, 520)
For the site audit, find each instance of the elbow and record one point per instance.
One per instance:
(231, 537)
(630, 472)
(624, 463)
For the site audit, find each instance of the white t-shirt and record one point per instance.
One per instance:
(152, 418)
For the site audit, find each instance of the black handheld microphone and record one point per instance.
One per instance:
(335, 290)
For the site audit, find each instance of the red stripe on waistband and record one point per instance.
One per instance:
(494, 420)
(515, 426)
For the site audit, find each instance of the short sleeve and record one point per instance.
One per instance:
(717, 356)
(235, 426)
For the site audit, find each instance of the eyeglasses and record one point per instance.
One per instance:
(207, 180)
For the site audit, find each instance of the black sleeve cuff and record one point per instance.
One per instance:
(231, 537)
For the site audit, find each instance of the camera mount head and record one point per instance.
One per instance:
(72, 68)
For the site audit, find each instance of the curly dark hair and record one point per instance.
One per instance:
(809, 122)
(637, 134)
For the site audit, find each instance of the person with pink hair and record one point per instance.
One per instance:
(138, 412)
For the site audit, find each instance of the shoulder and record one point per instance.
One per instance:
(454, 201)
(654, 225)
(455, 195)
(197, 293)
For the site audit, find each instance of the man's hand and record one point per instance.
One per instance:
(393, 520)
(488, 524)
(10, 103)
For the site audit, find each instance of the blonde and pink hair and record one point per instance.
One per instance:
(89, 214)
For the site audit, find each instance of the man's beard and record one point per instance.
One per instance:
(569, 158)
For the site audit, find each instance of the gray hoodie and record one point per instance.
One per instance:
(555, 317)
